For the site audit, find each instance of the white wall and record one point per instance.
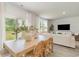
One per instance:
(73, 21)
(0, 24)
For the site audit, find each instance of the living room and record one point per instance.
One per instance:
(19, 18)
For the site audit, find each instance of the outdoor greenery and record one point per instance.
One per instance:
(12, 30)
(10, 26)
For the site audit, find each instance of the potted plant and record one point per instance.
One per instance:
(51, 28)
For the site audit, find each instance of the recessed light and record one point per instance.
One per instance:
(64, 12)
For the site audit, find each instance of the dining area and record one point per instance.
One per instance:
(31, 45)
(27, 41)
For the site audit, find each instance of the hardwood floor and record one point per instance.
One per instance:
(61, 51)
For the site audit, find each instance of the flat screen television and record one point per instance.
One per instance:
(64, 27)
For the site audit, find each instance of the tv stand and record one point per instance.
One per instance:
(64, 39)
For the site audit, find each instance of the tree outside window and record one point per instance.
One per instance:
(10, 26)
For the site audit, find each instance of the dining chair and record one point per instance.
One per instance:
(39, 50)
(48, 46)
(43, 48)
(51, 44)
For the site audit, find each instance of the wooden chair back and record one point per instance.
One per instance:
(39, 50)
(48, 45)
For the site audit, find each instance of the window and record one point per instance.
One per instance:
(45, 25)
(10, 26)
(42, 25)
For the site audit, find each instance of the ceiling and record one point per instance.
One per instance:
(52, 10)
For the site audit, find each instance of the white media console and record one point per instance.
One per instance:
(64, 38)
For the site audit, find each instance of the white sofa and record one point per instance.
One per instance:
(65, 39)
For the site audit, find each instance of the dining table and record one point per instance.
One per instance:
(17, 48)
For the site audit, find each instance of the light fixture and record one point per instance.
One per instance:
(64, 12)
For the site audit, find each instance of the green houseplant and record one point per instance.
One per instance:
(51, 28)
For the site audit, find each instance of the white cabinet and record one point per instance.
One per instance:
(64, 39)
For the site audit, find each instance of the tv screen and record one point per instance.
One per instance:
(64, 27)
